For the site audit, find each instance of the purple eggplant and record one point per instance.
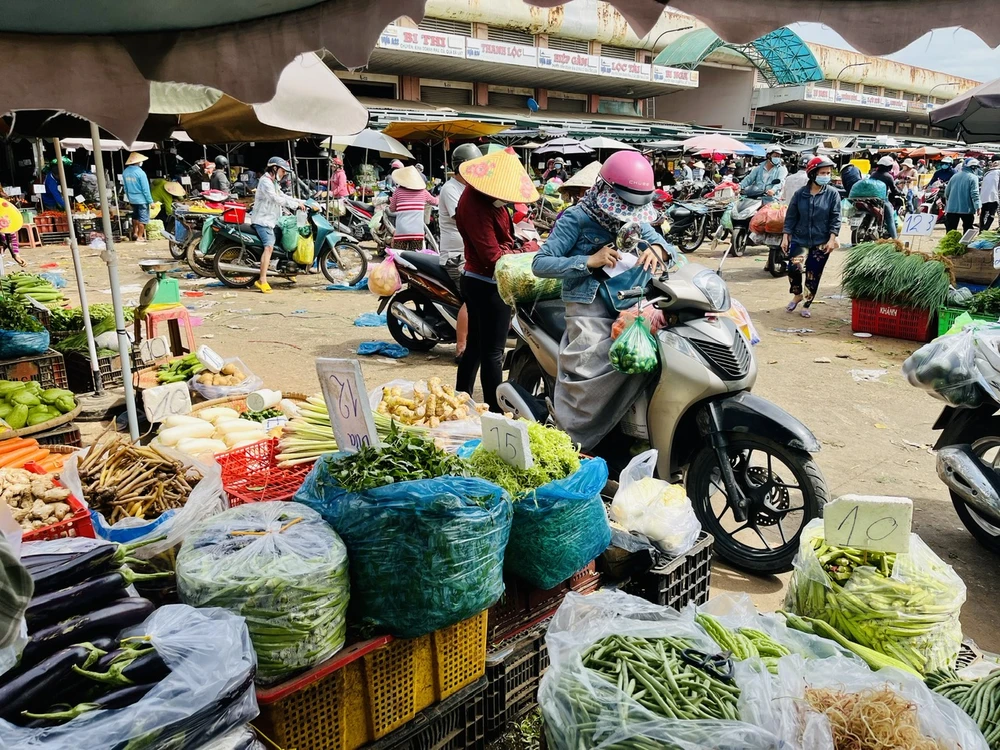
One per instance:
(121, 698)
(111, 619)
(127, 667)
(74, 568)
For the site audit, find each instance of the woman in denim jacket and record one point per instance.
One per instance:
(590, 396)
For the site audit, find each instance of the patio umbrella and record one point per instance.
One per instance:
(924, 151)
(715, 143)
(565, 146)
(107, 144)
(436, 130)
(974, 114)
(601, 143)
(373, 140)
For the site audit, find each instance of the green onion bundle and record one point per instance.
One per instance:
(881, 272)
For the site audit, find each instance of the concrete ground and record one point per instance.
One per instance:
(875, 434)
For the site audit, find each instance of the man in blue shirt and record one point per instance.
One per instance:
(138, 195)
(944, 173)
(767, 178)
(961, 196)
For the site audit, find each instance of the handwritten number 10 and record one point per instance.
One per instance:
(852, 516)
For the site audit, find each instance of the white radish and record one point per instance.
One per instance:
(234, 438)
(176, 420)
(215, 413)
(200, 446)
(225, 426)
(172, 435)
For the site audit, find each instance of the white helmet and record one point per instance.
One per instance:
(886, 161)
(972, 162)
(947, 160)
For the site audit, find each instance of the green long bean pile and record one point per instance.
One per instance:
(652, 673)
(980, 699)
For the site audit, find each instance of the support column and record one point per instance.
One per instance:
(480, 94)
(480, 31)
(593, 103)
(409, 88)
(542, 97)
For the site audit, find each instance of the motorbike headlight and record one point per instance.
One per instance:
(679, 344)
(713, 287)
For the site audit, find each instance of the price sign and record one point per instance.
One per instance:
(205, 186)
(163, 401)
(869, 522)
(155, 348)
(921, 225)
(13, 192)
(69, 192)
(80, 199)
(347, 402)
(185, 180)
(508, 439)
(996, 258)
(38, 189)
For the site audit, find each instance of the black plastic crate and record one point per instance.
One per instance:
(678, 581)
(81, 378)
(48, 369)
(514, 673)
(67, 434)
(456, 723)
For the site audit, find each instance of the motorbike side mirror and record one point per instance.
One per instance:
(628, 237)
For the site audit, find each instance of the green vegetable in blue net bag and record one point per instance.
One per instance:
(634, 352)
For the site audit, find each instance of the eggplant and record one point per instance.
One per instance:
(127, 667)
(111, 619)
(120, 698)
(24, 686)
(75, 569)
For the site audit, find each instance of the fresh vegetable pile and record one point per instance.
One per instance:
(980, 699)
(229, 375)
(213, 430)
(307, 435)
(950, 244)
(985, 240)
(77, 342)
(429, 405)
(16, 452)
(123, 480)
(33, 499)
(70, 320)
(903, 606)
(26, 403)
(282, 568)
(882, 272)
(555, 457)
(14, 317)
(262, 416)
(744, 643)
(986, 302)
(22, 285)
(179, 370)
(517, 283)
(960, 368)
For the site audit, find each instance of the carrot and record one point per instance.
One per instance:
(52, 463)
(37, 455)
(18, 458)
(8, 446)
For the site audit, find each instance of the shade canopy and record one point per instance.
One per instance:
(974, 114)
(107, 145)
(565, 146)
(374, 140)
(437, 130)
(924, 151)
(715, 143)
(607, 144)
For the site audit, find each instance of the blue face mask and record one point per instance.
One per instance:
(823, 179)
(776, 160)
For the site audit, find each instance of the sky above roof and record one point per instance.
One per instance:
(955, 50)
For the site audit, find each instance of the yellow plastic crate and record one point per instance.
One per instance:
(372, 688)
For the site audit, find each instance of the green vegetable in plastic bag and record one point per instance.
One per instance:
(282, 568)
(517, 284)
(634, 352)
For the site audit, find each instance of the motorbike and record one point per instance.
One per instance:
(236, 251)
(746, 463)
(868, 221)
(743, 210)
(219, 206)
(688, 224)
(383, 232)
(932, 202)
(546, 210)
(424, 312)
(357, 219)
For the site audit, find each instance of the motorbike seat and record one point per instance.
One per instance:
(551, 316)
(430, 265)
(363, 206)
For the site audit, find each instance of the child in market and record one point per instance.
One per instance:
(9, 242)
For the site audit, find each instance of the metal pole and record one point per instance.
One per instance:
(95, 367)
(111, 258)
(99, 161)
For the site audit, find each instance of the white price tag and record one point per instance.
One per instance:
(38, 189)
(921, 225)
(162, 401)
(153, 349)
(508, 439)
(80, 199)
(93, 169)
(13, 192)
(869, 522)
(206, 186)
(121, 179)
(270, 424)
(347, 403)
(996, 258)
(69, 192)
(185, 180)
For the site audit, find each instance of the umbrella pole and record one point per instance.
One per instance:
(100, 162)
(111, 258)
(95, 367)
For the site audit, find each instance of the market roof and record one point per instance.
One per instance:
(781, 56)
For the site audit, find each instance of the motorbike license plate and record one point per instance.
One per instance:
(855, 221)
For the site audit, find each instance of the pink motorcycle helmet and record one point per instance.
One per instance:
(630, 176)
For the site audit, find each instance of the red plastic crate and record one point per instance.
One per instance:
(895, 321)
(251, 474)
(79, 524)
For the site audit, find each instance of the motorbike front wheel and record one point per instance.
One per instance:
(739, 241)
(420, 306)
(236, 255)
(777, 265)
(984, 437)
(785, 489)
(692, 238)
(199, 262)
(343, 263)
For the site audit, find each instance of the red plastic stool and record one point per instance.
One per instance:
(173, 316)
(29, 236)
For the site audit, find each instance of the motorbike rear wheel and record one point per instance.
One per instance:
(984, 437)
(238, 256)
(527, 373)
(786, 490)
(738, 242)
(418, 304)
(199, 262)
(344, 263)
(693, 237)
(777, 265)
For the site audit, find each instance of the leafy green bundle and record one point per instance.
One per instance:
(556, 457)
(14, 317)
(950, 245)
(881, 272)
(71, 320)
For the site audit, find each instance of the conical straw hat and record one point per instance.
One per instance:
(135, 158)
(585, 178)
(409, 177)
(501, 176)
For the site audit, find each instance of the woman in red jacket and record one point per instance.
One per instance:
(487, 230)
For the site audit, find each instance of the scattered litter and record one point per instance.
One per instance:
(56, 279)
(794, 330)
(861, 334)
(190, 275)
(300, 312)
(387, 348)
(822, 360)
(772, 361)
(880, 426)
(193, 293)
(370, 320)
(215, 284)
(363, 284)
(208, 336)
(918, 446)
(242, 310)
(842, 356)
(229, 295)
(386, 361)
(835, 296)
(758, 260)
(866, 376)
(49, 265)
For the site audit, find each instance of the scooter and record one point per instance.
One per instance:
(236, 252)
(746, 463)
(744, 209)
(688, 224)
(357, 218)
(424, 312)
(385, 229)
(219, 206)
(868, 221)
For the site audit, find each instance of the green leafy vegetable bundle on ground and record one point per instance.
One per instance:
(282, 568)
(986, 302)
(556, 457)
(14, 317)
(950, 245)
(71, 320)
(882, 272)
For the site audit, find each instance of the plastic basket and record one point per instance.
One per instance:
(81, 377)
(458, 723)
(48, 369)
(894, 321)
(79, 524)
(373, 688)
(948, 315)
(514, 673)
(251, 474)
(68, 435)
(678, 581)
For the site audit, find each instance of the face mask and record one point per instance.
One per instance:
(776, 160)
(823, 179)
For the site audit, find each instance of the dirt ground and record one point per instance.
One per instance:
(875, 434)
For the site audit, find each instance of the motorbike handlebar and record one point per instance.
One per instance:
(633, 293)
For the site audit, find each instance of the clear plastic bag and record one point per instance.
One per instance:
(659, 510)
(635, 351)
(250, 384)
(961, 368)
(450, 435)
(206, 499)
(741, 317)
(15, 591)
(912, 615)
(560, 527)
(282, 568)
(424, 554)
(208, 692)
(654, 317)
(584, 710)
(383, 279)
(779, 705)
(517, 284)
(243, 738)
